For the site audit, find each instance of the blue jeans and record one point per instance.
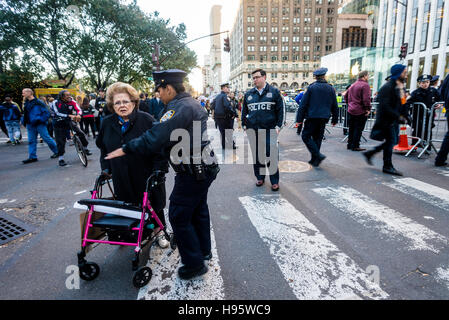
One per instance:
(13, 127)
(32, 139)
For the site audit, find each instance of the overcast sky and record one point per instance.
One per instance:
(195, 15)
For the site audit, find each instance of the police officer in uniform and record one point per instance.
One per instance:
(317, 106)
(195, 172)
(427, 95)
(224, 114)
(263, 110)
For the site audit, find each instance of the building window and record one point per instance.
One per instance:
(274, 11)
(295, 30)
(251, 57)
(295, 39)
(263, 19)
(402, 25)
(284, 39)
(297, 12)
(285, 48)
(421, 66)
(274, 19)
(285, 57)
(412, 39)
(263, 29)
(306, 39)
(274, 75)
(263, 10)
(251, 29)
(250, 9)
(384, 30)
(409, 72)
(274, 40)
(250, 19)
(274, 58)
(263, 48)
(425, 26)
(274, 29)
(353, 37)
(438, 24)
(394, 16)
(263, 39)
(446, 68)
(250, 48)
(330, 30)
(251, 39)
(434, 64)
(285, 29)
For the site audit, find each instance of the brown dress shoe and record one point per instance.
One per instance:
(259, 183)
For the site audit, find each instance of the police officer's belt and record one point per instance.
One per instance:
(200, 171)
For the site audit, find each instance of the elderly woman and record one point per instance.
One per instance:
(130, 173)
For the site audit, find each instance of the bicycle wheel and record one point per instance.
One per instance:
(80, 150)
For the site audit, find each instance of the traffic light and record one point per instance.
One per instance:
(404, 49)
(227, 48)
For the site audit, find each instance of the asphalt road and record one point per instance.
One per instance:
(343, 231)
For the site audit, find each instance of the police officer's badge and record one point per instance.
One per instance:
(269, 95)
(250, 98)
(168, 115)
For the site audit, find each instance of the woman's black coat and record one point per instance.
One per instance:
(130, 172)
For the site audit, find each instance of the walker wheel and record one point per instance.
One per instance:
(173, 242)
(142, 277)
(89, 271)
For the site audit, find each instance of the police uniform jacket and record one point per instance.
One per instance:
(181, 112)
(130, 173)
(223, 107)
(319, 102)
(263, 111)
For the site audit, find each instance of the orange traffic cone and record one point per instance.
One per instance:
(403, 145)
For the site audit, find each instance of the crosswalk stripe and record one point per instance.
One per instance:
(443, 172)
(391, 223)
(312, 265)
(442, 275)
(426, 192)
(166, 285)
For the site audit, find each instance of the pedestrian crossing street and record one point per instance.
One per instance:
(310, 261)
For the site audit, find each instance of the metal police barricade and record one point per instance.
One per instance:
(371, 118)
(438, 127)
(421, 118)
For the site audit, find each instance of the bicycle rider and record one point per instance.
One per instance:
(66, 111)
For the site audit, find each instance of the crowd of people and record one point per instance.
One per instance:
(133, 134)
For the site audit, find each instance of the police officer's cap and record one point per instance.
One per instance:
(320, 72)
(435, 78)
(224, 85)
(424, 77)
(170, 76)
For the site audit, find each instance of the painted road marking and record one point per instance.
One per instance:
(442, 275)
(423, 191)
(80, 192)
(391, 223)
(166, 285)
(312, 265)
(443, 172)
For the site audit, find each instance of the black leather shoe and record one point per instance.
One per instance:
(368, 155)
(317, 162)
(62, 163)
(186, 273)
(54, 156)
(437, 164)
(29, 161)
(208, 256)
(358, 149)
(392, 170)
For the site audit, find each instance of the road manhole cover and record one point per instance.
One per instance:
(12, 228)
(291, 166)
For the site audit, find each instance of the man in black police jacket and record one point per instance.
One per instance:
(318, 104)
(224, 114)
(263, 110)
(188, 211)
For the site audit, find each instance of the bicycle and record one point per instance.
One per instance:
(80, 149)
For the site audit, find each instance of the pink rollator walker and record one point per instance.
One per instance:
(122, 224)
